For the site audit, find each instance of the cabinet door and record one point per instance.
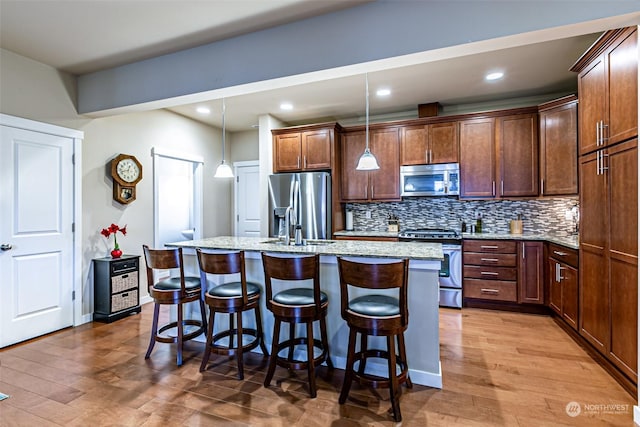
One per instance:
(286, 155)
(555, 286)
(569, 281)
(517, 138)
(594, 278)
(623, 254)
(531, 273)
(559, 151)
(622, 68)
(385, 182)
(355, 183)
(477, 158)
(592, 92)
(413, 145)
(316, 149)
(443, 143)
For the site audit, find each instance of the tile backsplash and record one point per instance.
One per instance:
(547, 215)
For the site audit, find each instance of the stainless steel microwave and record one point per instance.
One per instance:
(430, 180)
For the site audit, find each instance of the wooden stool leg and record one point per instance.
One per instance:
(263, 347)
(274, 352)
(154, 329)
(403, 356)
(240, 356)
(203, 314)
(292, 336)
(325, 340)
(311, 367)
(394, 391)
(231, 328)
(180, 334)
(348, 370)
(207, 350)
(363, 348)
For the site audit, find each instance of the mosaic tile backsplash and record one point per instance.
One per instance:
(539, 215)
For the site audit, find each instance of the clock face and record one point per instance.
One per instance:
(128, 170)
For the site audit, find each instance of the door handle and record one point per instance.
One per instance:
(5, 247)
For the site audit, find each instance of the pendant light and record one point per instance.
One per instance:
(367, 161)
(224, 170)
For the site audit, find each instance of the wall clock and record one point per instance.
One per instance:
(126, 172)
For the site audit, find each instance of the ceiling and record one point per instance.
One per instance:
(101, 34)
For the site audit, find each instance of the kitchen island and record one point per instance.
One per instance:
(422, 336)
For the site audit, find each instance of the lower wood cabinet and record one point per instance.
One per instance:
(530, 272)
(489, 270)
(562, 274)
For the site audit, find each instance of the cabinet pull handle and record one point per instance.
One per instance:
(560, 278)
(597, 134)
(559, 253)
(305, 161)
(489, 291)
(501, 187)
(542, 187)
(298, 164)
(488, 259)
(124, 276)
(489, 247)
(522, 250)
(366, 191)
(372, 193)
(488, 273)
(602, 166)
(557, 272)
(493, 188)
(426, 155)
(430, 156)
(598, 163)
(602, 137)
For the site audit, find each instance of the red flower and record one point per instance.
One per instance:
(123, 230)
(113, 229)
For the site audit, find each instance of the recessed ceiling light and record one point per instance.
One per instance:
(494, 76)
(203, 110)
(286, 106)
(383, 92)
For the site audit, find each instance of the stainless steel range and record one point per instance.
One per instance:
(450, 279)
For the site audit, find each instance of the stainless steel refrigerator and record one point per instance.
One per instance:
(309, 196)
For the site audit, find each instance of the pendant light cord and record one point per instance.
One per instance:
(366, 120)
(223, 129)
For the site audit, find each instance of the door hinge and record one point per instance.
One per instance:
(73, 227)
(237, 218)
(73, 159)
(73, 295)
(237, 179)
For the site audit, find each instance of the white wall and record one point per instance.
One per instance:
(36, 91)
(244, 146)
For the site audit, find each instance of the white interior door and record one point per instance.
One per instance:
(36, 215)
(247, 196)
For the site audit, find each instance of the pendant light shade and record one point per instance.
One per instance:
(367, 161)
(223, 170)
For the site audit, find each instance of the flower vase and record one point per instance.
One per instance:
(116, 253)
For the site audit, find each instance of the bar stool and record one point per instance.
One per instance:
(174, 290)
(377, 314)
(296, 305)
(233, 298)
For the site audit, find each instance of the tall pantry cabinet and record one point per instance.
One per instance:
(608, 168)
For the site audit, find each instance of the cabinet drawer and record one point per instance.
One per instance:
(490, 273)
(499, 260)
(124, 282)
(124, 300)
(563, 254)
(490, 289)
(490, 246)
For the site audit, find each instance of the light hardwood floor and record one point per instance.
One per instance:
(499, 369)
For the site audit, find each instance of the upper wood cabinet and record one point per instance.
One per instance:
(558, 122)
(305, 148)
(377, 185)
(608, 90)
(477, 158)
(429, 144)
(517, 143)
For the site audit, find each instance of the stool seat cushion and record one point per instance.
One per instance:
(298, 296)
(173, 283)
(234, 289)
(375, 305)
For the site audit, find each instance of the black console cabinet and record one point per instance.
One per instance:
(116, 287)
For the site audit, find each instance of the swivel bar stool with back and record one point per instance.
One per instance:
(172, 291)
(376, 313)
(295, 305)
(233, 298)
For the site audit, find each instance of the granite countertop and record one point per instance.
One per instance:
(568, 241)
(411, 250)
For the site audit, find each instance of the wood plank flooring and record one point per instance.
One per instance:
(499, 369)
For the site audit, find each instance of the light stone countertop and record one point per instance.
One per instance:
(568, 241)
(355, 248)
